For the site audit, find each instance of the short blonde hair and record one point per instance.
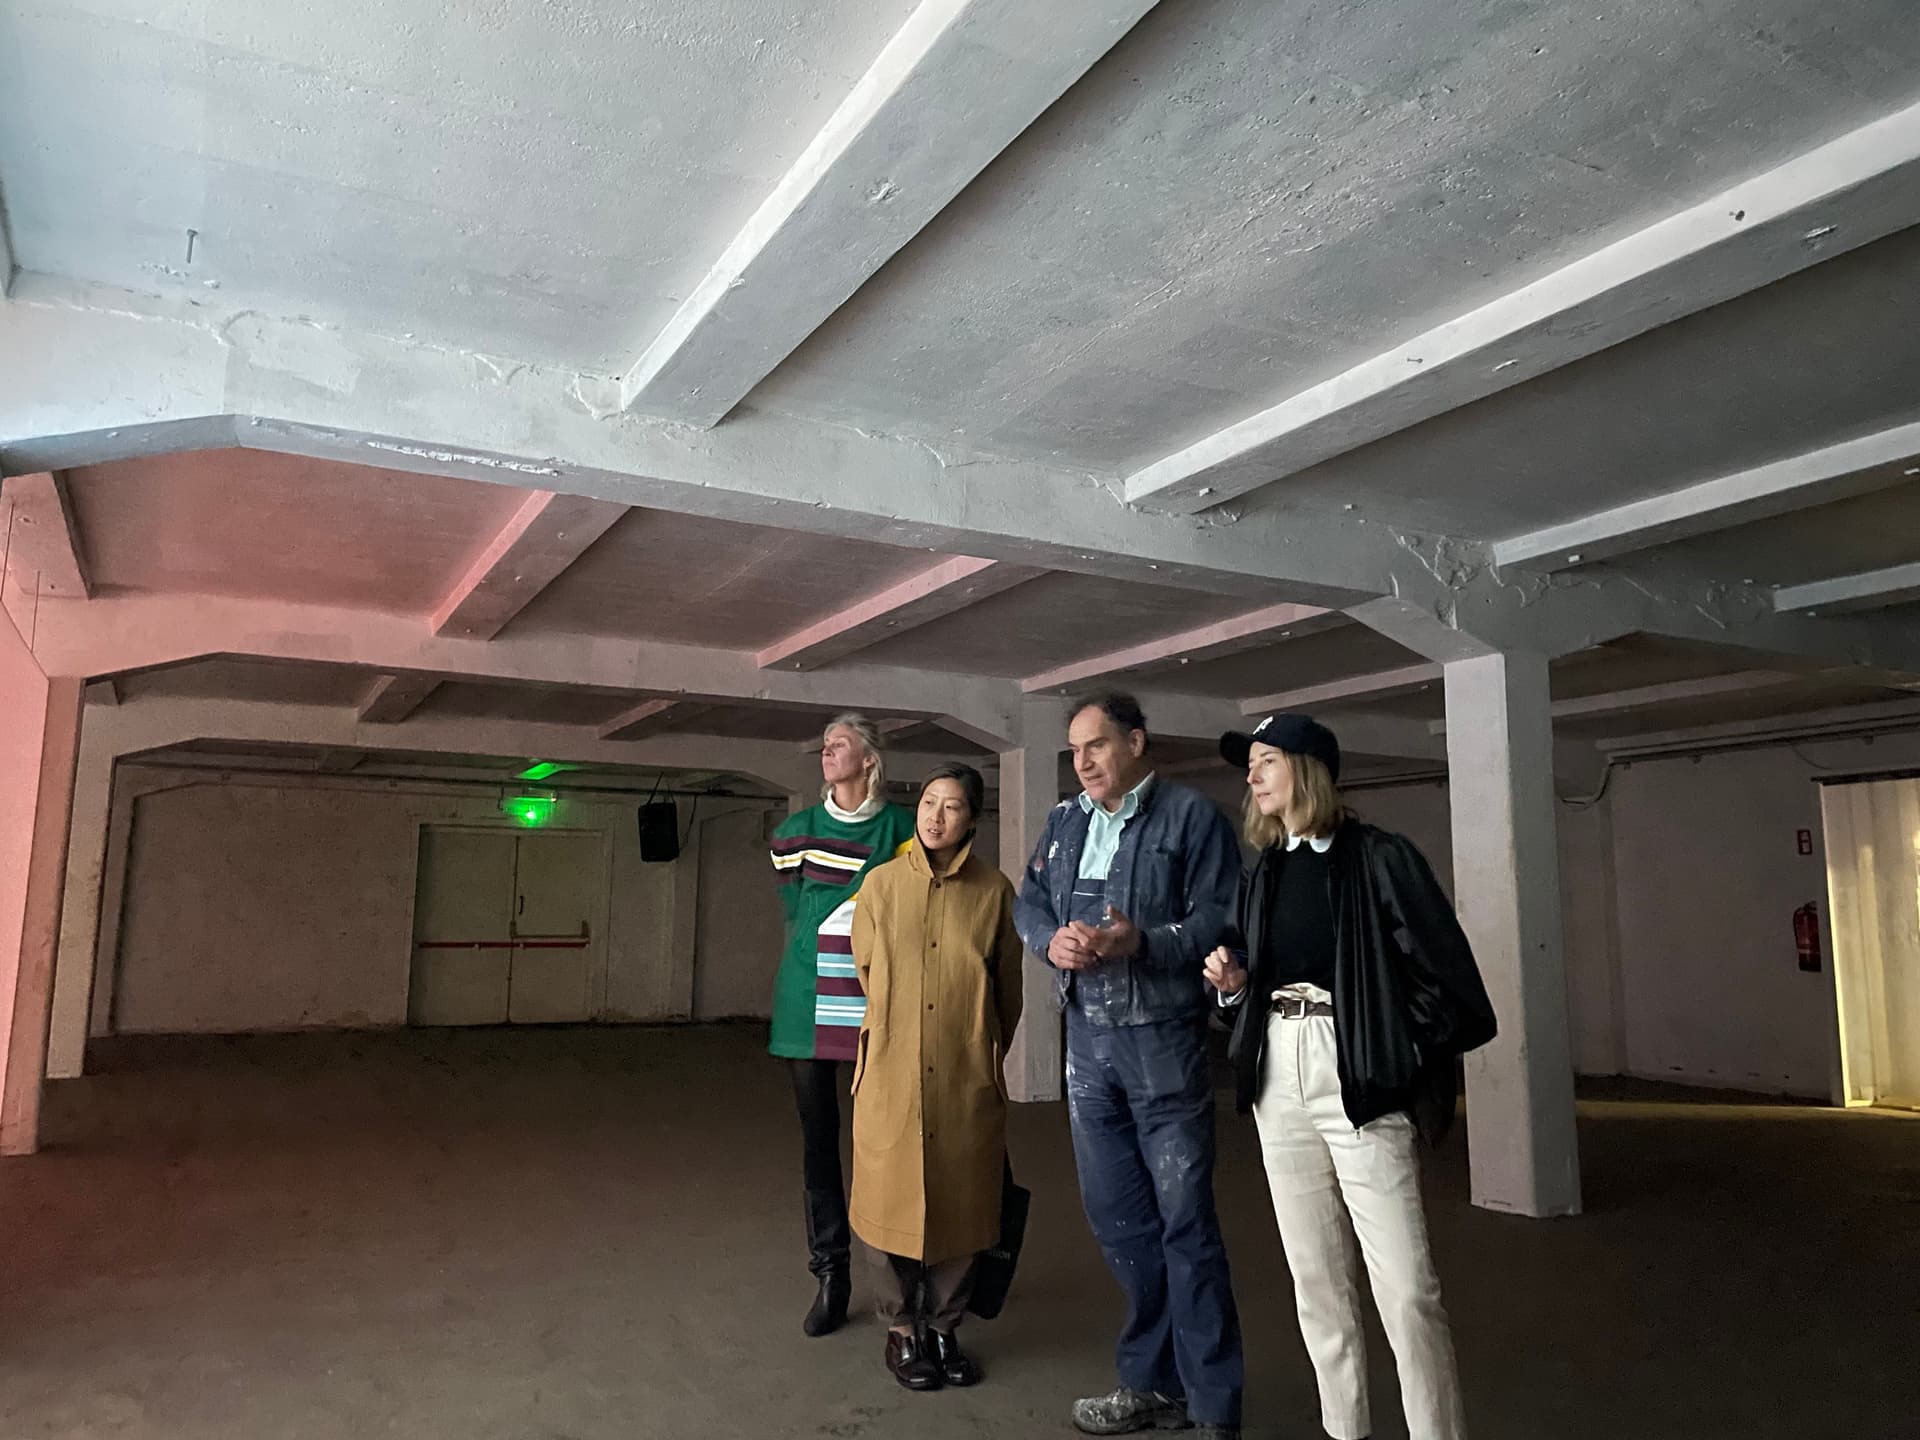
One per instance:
(868, 734)
(1315, 802)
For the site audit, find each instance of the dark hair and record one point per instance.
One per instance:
(971, 785)
(1117, 705)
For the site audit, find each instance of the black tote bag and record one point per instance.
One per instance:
(993, 1270)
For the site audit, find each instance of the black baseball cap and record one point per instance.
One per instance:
(1296, 734)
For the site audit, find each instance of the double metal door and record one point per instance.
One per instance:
(503, 929)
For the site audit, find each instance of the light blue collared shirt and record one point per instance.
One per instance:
(1103, 834)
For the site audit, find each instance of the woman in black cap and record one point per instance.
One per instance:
(1355, 990)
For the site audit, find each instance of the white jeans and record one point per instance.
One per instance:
(1330, 1183)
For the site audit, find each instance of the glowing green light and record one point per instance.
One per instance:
(542, 770)
(531, 811)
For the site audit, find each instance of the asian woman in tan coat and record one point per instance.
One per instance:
(935, 947)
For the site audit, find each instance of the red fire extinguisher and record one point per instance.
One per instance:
(1806, 935)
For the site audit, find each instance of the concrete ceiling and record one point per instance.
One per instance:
(842, 332)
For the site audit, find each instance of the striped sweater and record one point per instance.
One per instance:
(820, 862)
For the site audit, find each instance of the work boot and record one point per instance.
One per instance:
(828, 1245)
(1125, 1411)
(909, 1361)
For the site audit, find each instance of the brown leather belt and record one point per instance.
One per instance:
(1292, 1007)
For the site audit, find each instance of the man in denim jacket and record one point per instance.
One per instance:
(1127, 892)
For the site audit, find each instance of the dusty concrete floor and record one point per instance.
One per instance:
(593, 1234)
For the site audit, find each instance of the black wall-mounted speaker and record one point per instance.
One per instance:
(659, 832)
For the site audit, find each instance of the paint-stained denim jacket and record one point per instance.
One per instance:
(1175, 875)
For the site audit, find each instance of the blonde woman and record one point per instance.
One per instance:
(1356, 990)
(821, 856)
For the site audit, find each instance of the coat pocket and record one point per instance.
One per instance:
(860, 1060)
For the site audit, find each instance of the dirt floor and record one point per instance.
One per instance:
(588, 1234)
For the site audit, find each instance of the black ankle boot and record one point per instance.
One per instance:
(829, 1243)
(829, 1310)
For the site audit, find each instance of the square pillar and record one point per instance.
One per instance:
(1029, 788)
(94, 817)
(39, 748)
(1506, 863)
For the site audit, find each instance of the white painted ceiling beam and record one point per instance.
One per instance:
(943, 589)
(40, 539)
(161, 722)
(650, 717)
(1849, 594)
(392, 699)
(94, 375)
(1775, 729)
(1818, 477)
(533, 549)
(1653, 697)
(1251, 631)
(1348, 690)
(1844, 194)
(115, 634)
(952, 89)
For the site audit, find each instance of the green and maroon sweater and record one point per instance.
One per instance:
(821, 860)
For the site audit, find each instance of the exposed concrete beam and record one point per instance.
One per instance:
(545, 536)
(941, 590)
(1832, 199)
(119, 633)
(6, 252)
(338, 761)
(103, 692)
(162, 722)
(1895, 715)
(94, 375)
(1848, 594)
(40, 538)
(952, 89)
(1207, 642)
(1818, 477)
(650, 717)
(393, 698)
(1348, 690)
(1652, 697)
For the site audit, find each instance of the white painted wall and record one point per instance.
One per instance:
(287, 904)
(1709, 878)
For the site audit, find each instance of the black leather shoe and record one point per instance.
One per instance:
(829, 1310)
(907, 1358)
(956, 1367)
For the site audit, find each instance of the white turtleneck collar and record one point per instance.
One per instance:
(869, 808)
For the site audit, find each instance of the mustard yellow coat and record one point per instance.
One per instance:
(940, 961)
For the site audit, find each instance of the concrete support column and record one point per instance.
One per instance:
(1029, 788)
(73, 982)
(39, 749)
(1525, 1154)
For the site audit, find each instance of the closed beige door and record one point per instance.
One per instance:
(557, 890)
(462, 928)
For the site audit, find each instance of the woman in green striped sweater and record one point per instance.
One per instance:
(821, 855)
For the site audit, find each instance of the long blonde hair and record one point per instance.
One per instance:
(868, 734)
(1315, 797)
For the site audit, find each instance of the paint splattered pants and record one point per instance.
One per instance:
(1140, 1098)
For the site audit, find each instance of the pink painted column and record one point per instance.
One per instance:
(39, 747)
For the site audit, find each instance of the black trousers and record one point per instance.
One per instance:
(816, 1095)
